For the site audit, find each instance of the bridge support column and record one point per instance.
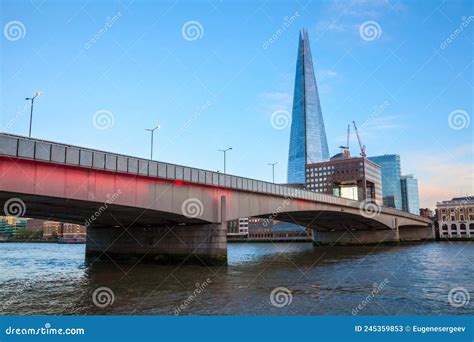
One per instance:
(408, 233)
(354, 237)
(187, 244)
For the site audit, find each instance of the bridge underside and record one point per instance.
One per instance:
(96, 213)
(330, 220)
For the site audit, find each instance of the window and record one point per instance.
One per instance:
(453, 227)
(462, 226)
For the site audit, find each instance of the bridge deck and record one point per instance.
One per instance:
(52, 152)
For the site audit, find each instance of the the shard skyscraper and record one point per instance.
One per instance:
(308, 143)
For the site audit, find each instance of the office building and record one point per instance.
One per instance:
(260, 228)
(52, 229)
(238, 229)
(9, 225)
(35, 225)
(355, 178)
(456, 218)
(391, 176)
(308, 143)
(410, 197)
(426, 212)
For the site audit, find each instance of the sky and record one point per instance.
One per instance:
(219, 74)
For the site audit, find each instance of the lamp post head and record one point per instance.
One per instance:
(37, 93)
(152, 129)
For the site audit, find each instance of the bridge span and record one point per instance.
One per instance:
(154, 211)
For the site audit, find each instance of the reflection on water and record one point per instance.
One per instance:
(47, 278)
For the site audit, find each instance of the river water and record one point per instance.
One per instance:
(408, 279)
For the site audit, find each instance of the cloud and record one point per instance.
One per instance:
(325, 74)
(345, 15)
(272, 101)
(331, 25)
(361, 8)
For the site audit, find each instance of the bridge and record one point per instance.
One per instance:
(148, 210)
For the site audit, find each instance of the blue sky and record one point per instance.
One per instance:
(220, 87)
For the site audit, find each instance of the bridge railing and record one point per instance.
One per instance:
(58, 153)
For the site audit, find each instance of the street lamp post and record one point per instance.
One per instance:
(224, 151)
(273, 170)
(32, 99)
(152, 130)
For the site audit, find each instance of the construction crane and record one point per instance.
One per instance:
(362, 147)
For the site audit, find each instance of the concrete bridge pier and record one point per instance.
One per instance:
(416, 233)
(185, 244)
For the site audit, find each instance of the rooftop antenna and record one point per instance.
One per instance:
(345, 149)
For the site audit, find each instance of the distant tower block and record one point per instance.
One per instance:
(308, 143)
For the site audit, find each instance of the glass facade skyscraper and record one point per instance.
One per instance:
(391, 176)
(410, 197)
(308, 143)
